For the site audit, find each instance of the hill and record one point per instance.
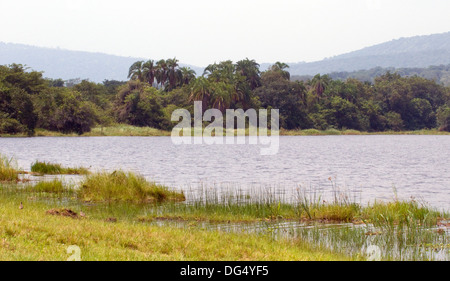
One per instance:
(65, 64)
(412, 52)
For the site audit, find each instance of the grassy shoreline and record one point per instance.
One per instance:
(53, 219)
(121, 216)
(128, 130)
(34, 234)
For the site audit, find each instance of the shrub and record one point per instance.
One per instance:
(11, 126)
(443, 118)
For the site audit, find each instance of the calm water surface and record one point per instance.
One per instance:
(368, 166)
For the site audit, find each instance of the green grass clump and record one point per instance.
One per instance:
(55, 186)
(8, 171)
(400, 213)
(56, 169)
(336, 212)
(124, 186)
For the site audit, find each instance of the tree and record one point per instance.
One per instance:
(222, 95)
(201, 90)
(23, 109)
(345, 113)
(112, 86)
(422, 114)
(10, 125)
(149, 72)
(73, 114)
(93, 92)
(224, 71)
(161, 72)
(136, 71)
(281, 67)
(278, 92)
(187, 75)
(394, 121)
(173, 73)
(138, 104)
(319, 84)
(250, 70)
(443, 118)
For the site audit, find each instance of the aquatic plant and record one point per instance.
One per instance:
(47, 168)
(124, 186)
(8, 170)
(55, 186)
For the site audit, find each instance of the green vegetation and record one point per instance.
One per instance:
(195, 230)
(440, 74)
(54, 187)
(122, 216)
(8, 170)
(32, 105)
(122, 186)
(126, 130)
(400, 213)
(51, 233)
(56, 169)
(261, 205)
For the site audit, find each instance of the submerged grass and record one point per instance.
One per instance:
(47, 168)
(124, 186)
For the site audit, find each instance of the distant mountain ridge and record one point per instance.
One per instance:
(412, 52)
(66, 64)
(417, 51)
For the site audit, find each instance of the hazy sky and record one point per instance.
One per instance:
(200, 32)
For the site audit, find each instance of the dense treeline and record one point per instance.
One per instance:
(156, 88)
(440, 74)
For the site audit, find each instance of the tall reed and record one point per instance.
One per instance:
(8, 169)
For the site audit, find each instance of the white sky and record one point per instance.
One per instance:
(200, 32)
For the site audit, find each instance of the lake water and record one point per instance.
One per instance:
(370, 167)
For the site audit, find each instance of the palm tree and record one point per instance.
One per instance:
(222, 95)
(250, 70)
(319, 84)
(136, 71)
(149, 72)
(187, 75)
(210, 69)
(281, 68)
(172, 73)
(224, 71)
(201, 90)
(161, 72)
